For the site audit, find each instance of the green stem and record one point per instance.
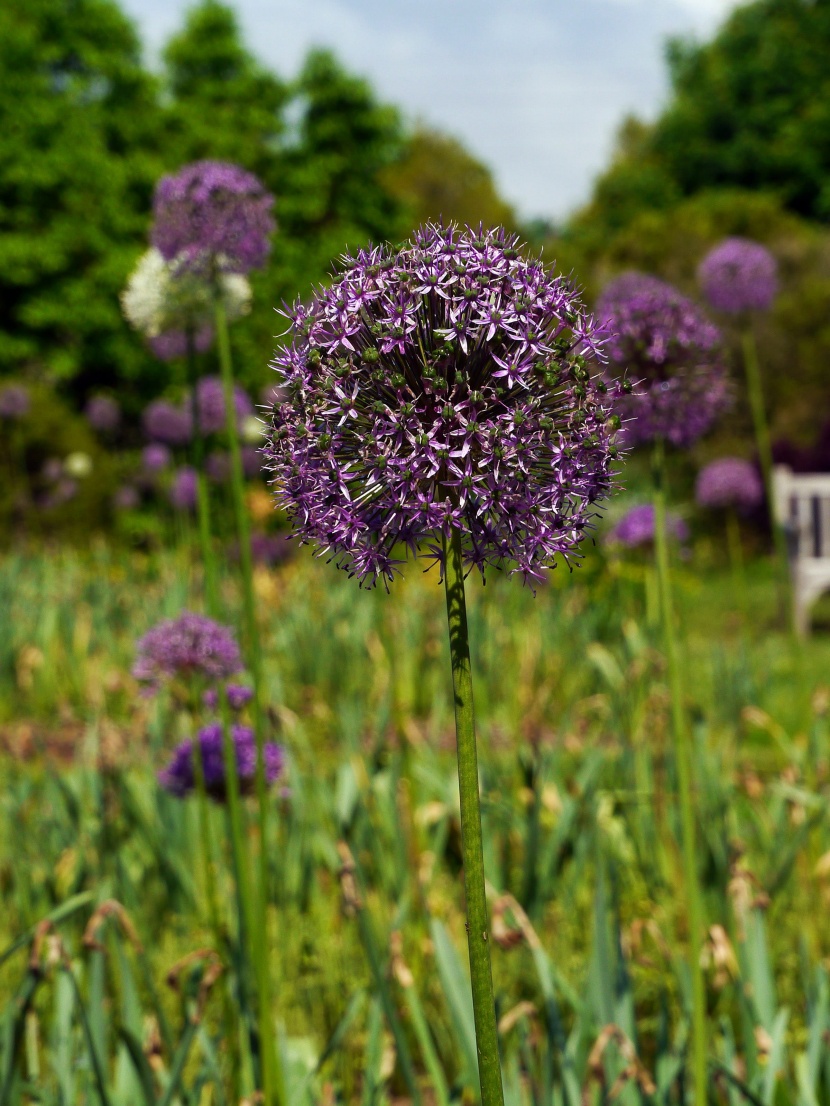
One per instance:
(683, 763)
(762, 443)
(271, 1075)
(478, 937)
(736, 557)
(202, 498)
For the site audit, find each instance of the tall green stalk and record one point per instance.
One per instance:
(478, 936)
(202, 497)
(271, 1076)
(683, 763)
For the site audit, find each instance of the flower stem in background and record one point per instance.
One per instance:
(736, 557)
(683, 767)
(762, 443)
(484, 1008)
(270, 1058)
(202, 498)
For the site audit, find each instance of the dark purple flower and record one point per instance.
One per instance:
(444, 386)
(213, 216)
(14, 401)
(218, 466)
(103, 413)
(636, 528)
(665, 344)
(173, 343)
(739, 275)
(184, 491)
(127, 498)
(238, 696)
(164, 422)
(210, 402)
(190, 645)
(179, 776)
(251, 462)
(155, 457)
(729, 482)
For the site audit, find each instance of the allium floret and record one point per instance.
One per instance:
(729, 482)
(213, 217)
(636, 527)
(667, 345)
(179, 776)
(739, 275)
(451, 384)
(187, 646)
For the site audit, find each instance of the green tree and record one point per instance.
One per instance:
(78, 157)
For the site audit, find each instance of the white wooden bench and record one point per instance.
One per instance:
(802, 508)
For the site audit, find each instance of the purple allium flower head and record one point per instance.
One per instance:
(14, 401)
(173, 343)
(739, 275)
(210, 403)
(155, 457)
(218, 466)
(179, 777)
(443, 386)
(166, 423)
(186, 646)
(103, 413)
(251, 462)
(238, 696)
(184, 490)
(127, 498)
(636, 528)
(729, 482)
(213, 216)
(668, 346)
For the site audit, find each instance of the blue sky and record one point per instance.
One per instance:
(536, 88)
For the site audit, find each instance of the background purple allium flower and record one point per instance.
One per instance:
(443, 386)
(52, 469)
(184, 490)
(671, 350)
(218, 466)
(127, 498)
(238, 696)
(14, 401)
(102, 413)
(729, 482)
(63, 492)
(213, 216)
(166, 423)
(173, 343)
(251, 462)
(636, 528)
(210, 403)
(739, 275)
(186, 646)
(155, 457)
(179, 776)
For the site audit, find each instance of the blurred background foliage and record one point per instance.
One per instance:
(86, 128)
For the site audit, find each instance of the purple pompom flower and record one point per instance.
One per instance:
(446, 386)
(739, 275)
(729, 482)
(127, 498)
(251, 462)
(210, 403)
(668, 346)
(213, 217)
(155, 457)
(103, 414)
(238, 696)
(190, 645)
(14, 401)
(172, 344)
(218, 466)
(166, 423)
(636, 528)
(179, 777)
(184, 491)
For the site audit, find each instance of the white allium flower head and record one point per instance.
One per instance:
(78, 465)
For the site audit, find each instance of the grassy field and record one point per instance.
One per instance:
(580, 838)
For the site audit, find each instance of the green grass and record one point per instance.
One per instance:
(580, 829)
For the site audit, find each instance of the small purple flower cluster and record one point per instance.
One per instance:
(185, 646)
(729, 482)
(238, 696)
(166, 423)
(213, 217)
(673, 351)
(14, 402)
(155, 458)
(636, 528)
(446, 386)
(739, 275)
(183, 492)
(173, 344)
(210, 405)
(179, 777)
(103, 414)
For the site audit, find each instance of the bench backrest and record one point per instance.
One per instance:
(802, 504)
